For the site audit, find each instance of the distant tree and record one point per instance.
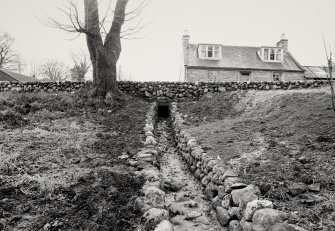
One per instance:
(81, 65)
(124, 76)
(103, 37)
(9, 59)
(54, 71)
(34, 70)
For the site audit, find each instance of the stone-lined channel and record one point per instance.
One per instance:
(185, 201)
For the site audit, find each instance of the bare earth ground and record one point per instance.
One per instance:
(284, 141)
(59, 166)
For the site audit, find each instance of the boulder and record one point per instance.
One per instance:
(246, 225)
(238, 186)
(285, 227)
(243, 196)
(314, 187)
(154, 216)
(216, 201)
(176, 209)
(150, 174)
(192, 215)
(235, 212)
(155, 197)
(263, 219)
(296, 188)
(255, 205)
(229, 181)
(227, 201)
(234, 225)
(222, 216)
(164, 226)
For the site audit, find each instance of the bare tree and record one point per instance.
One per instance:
(34, 70)
(103, 43)
(124, 76)
(330, 79)
(330, 70)
(54, 71)
(81, 65)
(9, 59)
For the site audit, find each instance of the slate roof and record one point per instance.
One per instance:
(15, 77)
(240, 57)
(313, 72)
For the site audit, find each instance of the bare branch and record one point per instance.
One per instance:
(54, 70)
(81, 65)
(9, 59)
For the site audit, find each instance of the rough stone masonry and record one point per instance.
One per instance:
(162, 91)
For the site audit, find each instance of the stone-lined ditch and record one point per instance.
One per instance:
(187, 190)
(187, 205)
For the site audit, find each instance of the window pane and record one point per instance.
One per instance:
(217, 54)
(266, 54)
(272, 54)
(210, 51)
(203, 51)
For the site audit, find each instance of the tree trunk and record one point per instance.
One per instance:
(104, 55)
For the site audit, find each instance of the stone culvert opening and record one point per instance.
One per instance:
(163, 111)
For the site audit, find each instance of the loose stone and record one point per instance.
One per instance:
(263, 219)
(234, 225)
(192, 215)
(222, 215)
(314, 187)
(241, 197)
(154, 216)
(164, 226)
(255, 205)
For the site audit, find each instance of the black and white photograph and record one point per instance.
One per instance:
(167, 115)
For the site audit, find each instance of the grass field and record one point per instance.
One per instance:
(284, 141)
(59, 166)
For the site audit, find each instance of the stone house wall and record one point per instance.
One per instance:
(218, 75)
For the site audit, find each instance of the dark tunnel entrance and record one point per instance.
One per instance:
(163, 111)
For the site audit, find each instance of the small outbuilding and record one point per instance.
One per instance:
(9, 76)
(316, 73)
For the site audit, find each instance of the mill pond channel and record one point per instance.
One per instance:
(187, 205)
(188, 190)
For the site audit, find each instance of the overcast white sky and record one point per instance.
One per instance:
(157, 56)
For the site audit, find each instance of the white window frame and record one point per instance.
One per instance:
(277, 50)
(214, 51)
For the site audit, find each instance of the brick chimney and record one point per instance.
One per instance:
(186, 39)
(283, 42)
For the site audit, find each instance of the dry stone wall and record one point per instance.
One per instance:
(161, 91)
(239, 207)
(152, 203)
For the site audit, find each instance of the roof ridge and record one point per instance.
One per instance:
(196, 44)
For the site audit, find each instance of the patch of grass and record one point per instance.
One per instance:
(211, 108)
(60, 169)
(274, 138)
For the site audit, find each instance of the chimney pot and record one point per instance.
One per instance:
(283, 42)
(186, 39)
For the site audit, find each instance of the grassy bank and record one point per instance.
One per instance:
(282, 140)
(59, 166)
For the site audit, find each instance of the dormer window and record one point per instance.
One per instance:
(209, 52)
(271, 54)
